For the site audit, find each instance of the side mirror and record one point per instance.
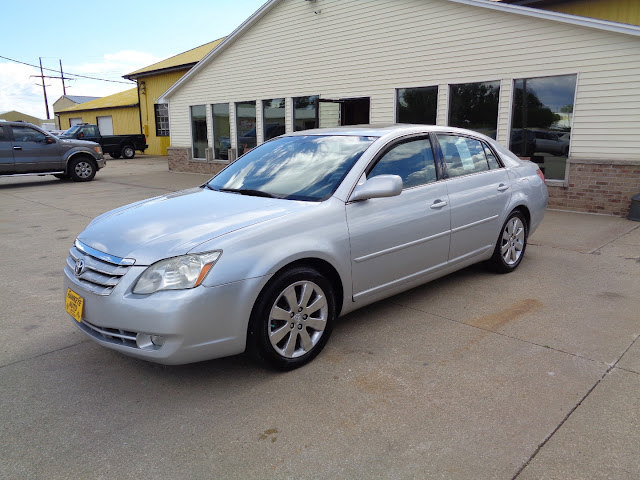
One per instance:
(49, 141)
(378, 187)
(81, 135)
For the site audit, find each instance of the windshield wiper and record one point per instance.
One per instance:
(248, 191)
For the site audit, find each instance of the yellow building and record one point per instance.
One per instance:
(116, 114)
(623, 11)
(153, 81)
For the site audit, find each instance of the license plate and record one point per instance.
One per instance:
(74, 305)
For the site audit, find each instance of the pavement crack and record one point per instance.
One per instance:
(44, 354)
(568, 415)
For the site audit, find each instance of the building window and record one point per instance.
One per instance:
(199, 138)
(245, 126)
(417, 105)
(221, 130)
(162, 119)
(305, 112)
(273, 118)
(475, 106)
(541, 121)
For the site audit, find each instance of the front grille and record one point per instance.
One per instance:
(101, 272)
(112, 335)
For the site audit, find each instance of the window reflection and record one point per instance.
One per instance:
(417, 105)
(412, 161)
(305, 113)
(246, 126)
(301, 168)
(541, 121)
(475, 106)
(273, 118)
(221, 130)
(199, 138)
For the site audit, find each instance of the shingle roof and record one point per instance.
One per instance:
(128, 98)
(185, 59)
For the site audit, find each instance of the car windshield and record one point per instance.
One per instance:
(306, 167)
(71, 132)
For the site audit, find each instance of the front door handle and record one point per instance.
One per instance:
(17, 147)
(502, 187)
(438, 204)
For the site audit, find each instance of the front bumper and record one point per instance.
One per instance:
(101, 162)
(196, 324)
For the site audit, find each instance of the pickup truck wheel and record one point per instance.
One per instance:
(128, 151)
(82, 169)
(115, 155)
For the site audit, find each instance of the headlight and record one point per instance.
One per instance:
(177, 273)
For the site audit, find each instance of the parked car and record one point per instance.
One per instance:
(555, 143)
(114, 145)
(29, 150)
(299, 230)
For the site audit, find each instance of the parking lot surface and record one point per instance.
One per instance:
(530, 375)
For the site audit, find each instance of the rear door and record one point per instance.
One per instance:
(398, 240)
(6, 151)
(479, 192)
(34, 151)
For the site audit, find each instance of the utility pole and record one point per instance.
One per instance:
(42, 76)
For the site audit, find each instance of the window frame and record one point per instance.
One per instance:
(191, 107)
(450, 100)
(220, 156)
(397, 102)
(316, 107)
(160, 119)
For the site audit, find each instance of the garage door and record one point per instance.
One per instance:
(75, 121)
(105, 125)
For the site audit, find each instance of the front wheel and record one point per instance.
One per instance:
(511, 244)
(292, 319)
(82, 169)
(128, 151)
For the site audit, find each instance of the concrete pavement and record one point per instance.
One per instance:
(530, 375)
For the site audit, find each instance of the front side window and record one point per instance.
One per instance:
(273, 118)
(475, 106)
(308, 167)
(199, 137)
(221, 130)
(26, 134)
(246, 126)
(412, 161)
(541, 121)
(162, 119)
(463, 155)
(417, 105)
(305, 113)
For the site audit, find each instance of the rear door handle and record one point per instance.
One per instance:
(438, 204)
(17, 147)
(502, 187)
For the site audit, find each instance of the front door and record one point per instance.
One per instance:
(34, 152)
(399, 240)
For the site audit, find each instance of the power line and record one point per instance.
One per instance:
(67, 73)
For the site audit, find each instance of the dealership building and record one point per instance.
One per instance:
(560, 89)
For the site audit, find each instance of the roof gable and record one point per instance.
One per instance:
(486, 4)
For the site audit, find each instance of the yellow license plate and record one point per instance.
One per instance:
(74, 305)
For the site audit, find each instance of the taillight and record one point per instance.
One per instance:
(540, 174)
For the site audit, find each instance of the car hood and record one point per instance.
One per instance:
(174, 224)
(72, 142)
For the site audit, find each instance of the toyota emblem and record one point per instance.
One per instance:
(79, 268)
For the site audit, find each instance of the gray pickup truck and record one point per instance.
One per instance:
(28, 150)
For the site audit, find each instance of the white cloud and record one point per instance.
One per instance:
(18, 90)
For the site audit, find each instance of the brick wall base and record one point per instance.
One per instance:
(597, 187)
(180, 161)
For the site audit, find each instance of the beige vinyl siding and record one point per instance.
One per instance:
(368, 48)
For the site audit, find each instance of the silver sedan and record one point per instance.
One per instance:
(299, 230)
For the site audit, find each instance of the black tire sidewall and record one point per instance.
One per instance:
(125, 149)
(497, 262)
(258, 336)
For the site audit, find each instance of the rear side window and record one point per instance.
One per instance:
(463, 155)
(412, 161)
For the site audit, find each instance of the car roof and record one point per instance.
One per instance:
(384, 129)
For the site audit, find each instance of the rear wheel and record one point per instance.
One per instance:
(82, 169)
(292, 319)
(128, 151)
(511, 244)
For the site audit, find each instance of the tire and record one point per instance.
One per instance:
(511, 244)
(82, 169)
(114, 155)
(128, 151)
(292, 319)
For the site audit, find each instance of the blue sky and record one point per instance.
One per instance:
(101, 39)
